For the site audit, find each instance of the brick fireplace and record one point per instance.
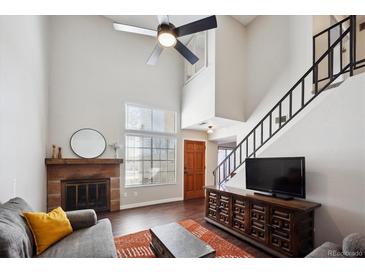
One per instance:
(83, 183)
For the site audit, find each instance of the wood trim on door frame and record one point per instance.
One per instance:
(183, 162)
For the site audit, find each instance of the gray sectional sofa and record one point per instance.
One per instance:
(90, 239)
(353, 246)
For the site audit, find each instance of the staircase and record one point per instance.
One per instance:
(338, 60)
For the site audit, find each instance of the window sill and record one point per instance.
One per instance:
(149, 185)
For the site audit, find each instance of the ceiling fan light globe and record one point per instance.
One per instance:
(166, 39)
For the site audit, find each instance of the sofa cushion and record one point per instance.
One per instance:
(48, 228)
(16, 239)
(354, 245)
(93, 242)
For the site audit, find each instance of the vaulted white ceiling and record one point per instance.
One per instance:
(244, 19)
(150, 21)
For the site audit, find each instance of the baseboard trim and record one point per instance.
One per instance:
(155, 202)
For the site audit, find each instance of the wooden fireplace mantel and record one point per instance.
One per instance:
(82, 161)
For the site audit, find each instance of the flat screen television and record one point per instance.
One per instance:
(278, 176)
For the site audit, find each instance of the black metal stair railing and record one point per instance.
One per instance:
(305, 90)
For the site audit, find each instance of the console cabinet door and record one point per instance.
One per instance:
(240, 214)
(224, 208)
(259, 221)
(280, 236)
(212, 205)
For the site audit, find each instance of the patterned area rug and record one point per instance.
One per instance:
(137, 245)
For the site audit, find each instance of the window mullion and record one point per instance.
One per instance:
(152, 128)
(151, 158)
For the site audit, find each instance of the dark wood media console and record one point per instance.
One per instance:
(283, 228)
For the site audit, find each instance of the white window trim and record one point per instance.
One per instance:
(139, 133)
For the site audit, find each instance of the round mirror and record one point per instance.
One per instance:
(88, 143)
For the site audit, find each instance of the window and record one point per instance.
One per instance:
(223, 152)
(150, 120)
(150, 158)
(198, 45)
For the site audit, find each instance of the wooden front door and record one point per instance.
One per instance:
(194, 169)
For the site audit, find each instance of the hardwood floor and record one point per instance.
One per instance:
(137, 219)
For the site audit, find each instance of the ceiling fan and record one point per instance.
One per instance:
(167, 35)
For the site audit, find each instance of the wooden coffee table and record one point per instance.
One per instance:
(174, 241)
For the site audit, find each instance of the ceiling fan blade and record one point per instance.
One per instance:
(163, 19)
(197, 26)
(155, 55)
(184, 51)
(133, 29)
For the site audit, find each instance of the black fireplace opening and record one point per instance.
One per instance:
(84, 194)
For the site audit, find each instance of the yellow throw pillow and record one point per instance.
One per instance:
(48, 228)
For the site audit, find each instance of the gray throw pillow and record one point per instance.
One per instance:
(16, 239)
(354, 245)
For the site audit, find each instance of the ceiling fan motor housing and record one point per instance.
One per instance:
(166, 29)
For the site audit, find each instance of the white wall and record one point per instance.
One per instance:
(94, 72)
(278, 53)
(218, 90)
(198, 95)
(332, 138)
(230, 60)
(23, 108)
(267, 57)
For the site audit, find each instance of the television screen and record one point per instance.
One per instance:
(277, 175)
